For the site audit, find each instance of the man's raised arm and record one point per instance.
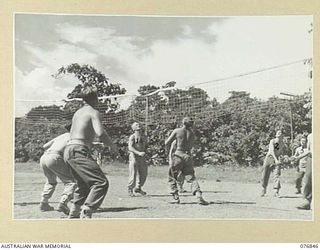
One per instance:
(48, 144)
(101, 133)
(171, 138)
(271, 151)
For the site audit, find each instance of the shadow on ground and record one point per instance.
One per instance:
(289, 197)
(217, 192)
(234, 202)
(159, 195)
(118, 209)
(221, 203)
(29, 203)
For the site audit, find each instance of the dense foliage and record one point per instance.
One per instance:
(236, 131)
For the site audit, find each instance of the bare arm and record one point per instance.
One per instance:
(171, 138)
(48, 144)
(296, 153)
(304, 154)
(308, 150)
(101, 133)
(173, 147)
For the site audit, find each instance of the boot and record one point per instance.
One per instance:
(63, 208)
(45, 207)
(74, 212)
(175, 198)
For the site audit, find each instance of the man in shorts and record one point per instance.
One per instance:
(272, 163)
(54, 166)
(182, 161)
(137, 162)
(92, 183)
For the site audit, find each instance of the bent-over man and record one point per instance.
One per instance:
(54, 166)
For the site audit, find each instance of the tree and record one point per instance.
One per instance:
(52, 112)
(88, 75)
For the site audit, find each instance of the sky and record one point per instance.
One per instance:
(140, 50)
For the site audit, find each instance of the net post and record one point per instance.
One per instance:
(291, 127)
(146, 118)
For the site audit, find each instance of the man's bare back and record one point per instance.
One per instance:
(82, 124)
(58, 143)
(185, 138)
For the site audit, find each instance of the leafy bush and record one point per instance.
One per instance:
(238, 130)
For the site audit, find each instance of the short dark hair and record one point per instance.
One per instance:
(89, 93)
(68, 127)
(188, 121)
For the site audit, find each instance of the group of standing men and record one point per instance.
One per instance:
(69, 158)
(275, 159)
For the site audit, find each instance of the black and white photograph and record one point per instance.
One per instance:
(163, 117)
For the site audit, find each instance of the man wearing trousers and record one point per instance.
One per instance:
(137, 161)
(272, 163)
(54, 166)
(301, 168)
(92, 183)
(307, 190)
(182, 164)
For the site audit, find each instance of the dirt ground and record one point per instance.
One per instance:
(232, 193)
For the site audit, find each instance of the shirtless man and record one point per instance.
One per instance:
(54, 166)
(137, 161)
(272, 163)
(182, 161)
(307, 190)
(92, 183)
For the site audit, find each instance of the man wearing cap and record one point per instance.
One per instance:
(92, 183)
(182, 161)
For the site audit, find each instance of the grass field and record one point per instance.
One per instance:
(233, 193)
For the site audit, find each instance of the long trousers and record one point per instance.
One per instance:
(54, 166)
(182, 169)
(299, 177)
(307, 190)
(138, 171)
(268, 167)
(92, 184)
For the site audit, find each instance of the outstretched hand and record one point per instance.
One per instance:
(293, 159)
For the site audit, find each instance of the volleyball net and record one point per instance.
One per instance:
(240, 93)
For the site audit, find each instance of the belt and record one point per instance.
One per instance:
(183, 151)
(56, 152)
(79, 142)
